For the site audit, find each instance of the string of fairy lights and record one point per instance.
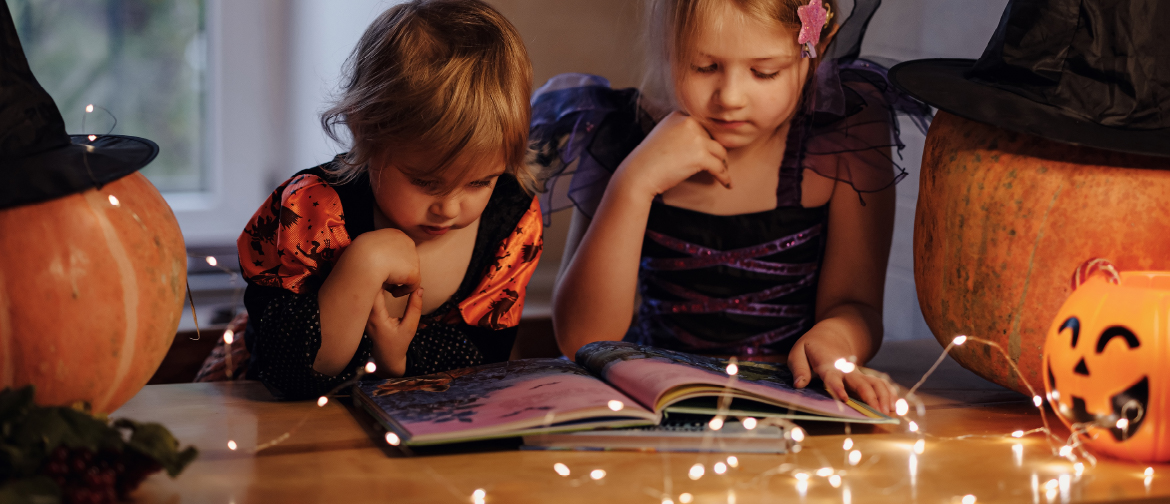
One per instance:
(1070, 450)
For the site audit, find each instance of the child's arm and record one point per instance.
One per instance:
(352, 294)
(849, 296)
(594, 298)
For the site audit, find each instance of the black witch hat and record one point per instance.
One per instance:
(38, 160)
(1083, 72)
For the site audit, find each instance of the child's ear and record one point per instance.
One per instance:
(827, 38)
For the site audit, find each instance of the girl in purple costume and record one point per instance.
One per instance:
(754, 218)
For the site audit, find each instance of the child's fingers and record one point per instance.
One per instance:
(379, 317)
(864, 390)
(409, 321)
(798, 364)
(399, 290)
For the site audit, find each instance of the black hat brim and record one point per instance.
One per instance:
(942, 83)
(73, 168)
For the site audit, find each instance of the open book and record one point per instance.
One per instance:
(613, 384)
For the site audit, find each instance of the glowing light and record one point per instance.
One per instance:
(802, 487)
(733, 461)
(667, 500)
(616, 405)
(824, 471)
(696, 472)
(835, 480)
(719, 467)
(232, 445)
(732, 369)
(715, 423)
(1123, 424)
(1079, 468)
(1050, 494)
(968, 499)
(392, 439)
(478, 494)
(913, 426)
(800, 476)
(686, 498)
(89, 108)
(848, 443)
(854, 457)
(844, 365)
(901, 407)
(1037, 400)
(114, 200)
(1051, 485)
(797, 434)
(597, 474)
(1055, 395)
(749, 423)
(731, 497)
(321, 401)
(959, 340)
(920, 446)
(561, 469)
(1065, 451)
(1149, 471)
(229, 336)
(846, 496)
(371, 367)
(212, 260)
(1018, 434)
(1018, 454)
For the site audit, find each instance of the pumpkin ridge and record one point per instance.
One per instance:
(1014, 341)
(129, 280)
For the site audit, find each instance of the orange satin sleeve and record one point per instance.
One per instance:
(297, 234)
(497, 301)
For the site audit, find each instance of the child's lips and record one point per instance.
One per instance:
(436, 230)
(725, 123)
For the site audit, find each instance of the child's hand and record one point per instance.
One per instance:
(675, 150)
(392, 335)
(818, 351)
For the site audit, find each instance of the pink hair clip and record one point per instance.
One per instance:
(812, 20)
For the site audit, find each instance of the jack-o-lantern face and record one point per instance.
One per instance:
(1102, 358)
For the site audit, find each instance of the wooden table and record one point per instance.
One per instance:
(335, 456)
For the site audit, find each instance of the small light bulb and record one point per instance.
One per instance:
(392, 439)
(561, 469)
(371, 367)
(478, 494)
(89, 108)
(616, 405)
(913, 426)
(824, 471)
(321, 401)
(715, 423)
(732, 369)
(1079, 468)
(686, 498)
(800, 476)
(1018, 434)
(797, 434)
(733, 461)
(901, 407)
(696, 471)
(1052, 484)
(1149, 471)
(720, 468)
(968, 499)
(847, 444)
(854, 457)
(749, 423)
(1123, 423)
(835, 480)
(1037, 400)
(597, 474)
(959, 340)
(667, 500)
(920, 446)
(211, 260)
(232, 445)
(92, 137)
(229, 336)
(114, 200)
(1065, 451)
(844, 365)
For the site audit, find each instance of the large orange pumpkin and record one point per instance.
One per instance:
(1003, 217)
(91, 290)
(1102, 363)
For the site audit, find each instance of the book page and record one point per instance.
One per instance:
(494, 400)
(649, 374)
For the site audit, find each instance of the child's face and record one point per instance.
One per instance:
(743, 80)
(415, 205)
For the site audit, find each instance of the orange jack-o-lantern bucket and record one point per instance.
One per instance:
(1102, 361)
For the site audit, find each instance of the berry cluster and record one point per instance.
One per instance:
(106, 477)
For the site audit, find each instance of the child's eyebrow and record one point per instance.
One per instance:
(778, 57)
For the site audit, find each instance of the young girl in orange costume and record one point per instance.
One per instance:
(735, 209)
(414, 248)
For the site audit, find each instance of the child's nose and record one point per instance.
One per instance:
(446, 208)
(730, 93)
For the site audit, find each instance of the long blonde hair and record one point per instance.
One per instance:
(450, 77)
(673, 25)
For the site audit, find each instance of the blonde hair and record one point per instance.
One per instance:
(673, 25)
(450, 77)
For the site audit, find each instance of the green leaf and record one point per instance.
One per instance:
(34, 490)
(155, 441)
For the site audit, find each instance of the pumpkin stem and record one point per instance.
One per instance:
(1093, 266)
